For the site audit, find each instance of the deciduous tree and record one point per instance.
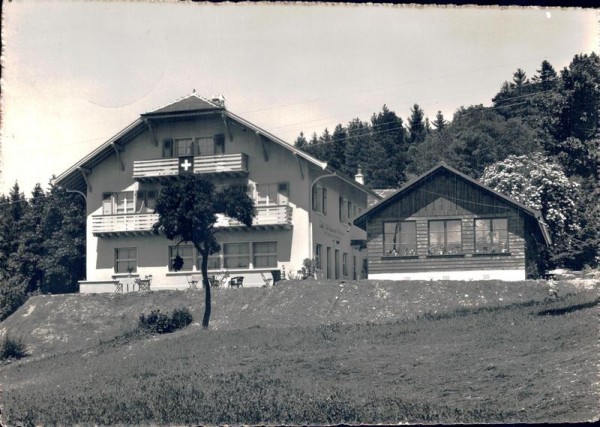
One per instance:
(188, 208)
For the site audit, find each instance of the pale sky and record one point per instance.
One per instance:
(76, 73)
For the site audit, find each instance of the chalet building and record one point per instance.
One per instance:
(305, 208)
(446, 225)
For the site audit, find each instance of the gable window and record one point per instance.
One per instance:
(219, 141)
(400, 238)
(125, 260)
(199, 146)
(185, 147)
(445, 237)
(491, 235)
(265, 254)
(236, 255)
(186, 252)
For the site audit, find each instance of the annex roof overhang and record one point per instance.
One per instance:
(361, 221)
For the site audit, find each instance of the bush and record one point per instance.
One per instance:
(160, 323)
(12, 348)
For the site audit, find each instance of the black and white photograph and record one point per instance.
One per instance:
(235, 213)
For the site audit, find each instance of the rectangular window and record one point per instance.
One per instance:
(272, 194)
(400, 238)
(319, 199)
(186, 252)
(445, 237)
(185, 147)
(337, 264)
(349, 217)
(264, 254)
(146, 201)
(219, 141)
(329, 263)
(341, 209)
(345, 264)
(319, 257)
(125, 260)
(206, 146)
(123, 202)
(214, 261)
(236, 255)
(167, 148)
(491, 236)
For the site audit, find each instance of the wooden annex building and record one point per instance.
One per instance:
(446, 225)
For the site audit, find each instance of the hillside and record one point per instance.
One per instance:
(312, 353)
(59, 323)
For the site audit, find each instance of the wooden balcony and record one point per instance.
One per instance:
(225, 164)
(123, 224)
(267, 218)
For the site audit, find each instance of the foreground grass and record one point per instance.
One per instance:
(528, 361)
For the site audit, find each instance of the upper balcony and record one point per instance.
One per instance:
(267, 218)
(223, 164)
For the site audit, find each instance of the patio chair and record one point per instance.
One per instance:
(266, 279)
(236, 281)
(144, 284)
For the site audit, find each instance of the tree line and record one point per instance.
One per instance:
(549, 123)
(42, 244)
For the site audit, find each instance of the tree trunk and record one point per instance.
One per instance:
(206, 286)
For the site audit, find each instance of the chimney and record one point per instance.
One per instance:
(218, 100)
(359, 177)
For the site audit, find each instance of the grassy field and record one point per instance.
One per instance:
(312, 353)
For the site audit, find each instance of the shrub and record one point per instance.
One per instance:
(12, 348)
(161, 323)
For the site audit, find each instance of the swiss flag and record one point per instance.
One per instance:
(186, 165)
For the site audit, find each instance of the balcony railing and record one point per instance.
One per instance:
(229, 164)
(266, 217)
(123, 224)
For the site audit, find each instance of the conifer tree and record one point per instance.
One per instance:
(416, 125)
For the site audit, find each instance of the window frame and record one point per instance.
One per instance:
(491, 234)
(319, 256)
(445, 234)
(227, 257)
(125, 260)
(187, 266)
(256, 255)
(345, 264)
(401, 243)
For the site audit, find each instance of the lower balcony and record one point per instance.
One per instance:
(267, 218)
(123, 224)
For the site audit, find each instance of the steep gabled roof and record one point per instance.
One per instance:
(187, 104)
(536, 215)
(191, 104)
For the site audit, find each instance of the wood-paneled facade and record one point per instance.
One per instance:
(444, 196)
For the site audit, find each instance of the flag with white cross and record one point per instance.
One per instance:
(186, 165)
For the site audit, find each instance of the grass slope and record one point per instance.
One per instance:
(313, 353)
